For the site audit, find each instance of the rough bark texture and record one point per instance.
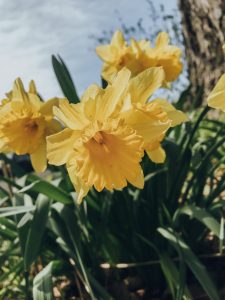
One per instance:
(203, 23)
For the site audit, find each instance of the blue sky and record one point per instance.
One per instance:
(31, 31)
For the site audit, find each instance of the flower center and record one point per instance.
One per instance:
(98, 137)
(101, 139)
(31, 126)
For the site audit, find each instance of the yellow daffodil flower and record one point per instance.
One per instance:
(139, 56)
(25, 121)
(216, 98)
(106, 133)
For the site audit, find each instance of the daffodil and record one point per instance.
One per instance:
(151, 119)
(139, 56)
(106, 133)
(165, 55)
(216, 98)
(25, 121)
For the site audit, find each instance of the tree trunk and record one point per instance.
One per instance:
(203, 23)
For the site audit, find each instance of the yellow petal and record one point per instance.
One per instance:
(162, 39)
(145, 84)
(52, 127)
(137, 181)
(157, 155)
(118, 39)
(47, 107)
(144, 44)
(112, 99)
(60, 146)
(150, 123)
(216, 98)
(34, 102)
(110, 53)
(135, 46)
(32, 87)
(91, 92)
(90, 109)
(18, 92)
(109, 72)
(107, 53)
(81, 188)
(3, 146)
(72, 115)
(171, 65)
(176, 116)
(38, 158)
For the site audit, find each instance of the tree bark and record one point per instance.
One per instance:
(203, 24)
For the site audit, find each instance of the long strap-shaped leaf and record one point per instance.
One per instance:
(201, 215)
(36, 231)
(42, 285)
(192, 261)
(64, 78)
(46, 188)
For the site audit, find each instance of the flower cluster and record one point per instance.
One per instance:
(103, 138)
(139, 56)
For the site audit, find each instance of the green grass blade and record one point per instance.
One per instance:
(172, 275)
(36, 231)
(11, 211)
(41, 186)
(193, 263)
(201, 215)
(42, 284)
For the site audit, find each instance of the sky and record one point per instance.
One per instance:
(31, 31)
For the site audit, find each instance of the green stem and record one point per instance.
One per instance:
(27, 285)
(210, 152)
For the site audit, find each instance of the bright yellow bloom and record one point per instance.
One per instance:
(107, 132)
(25, 121)
(216, 98)
(139, 56)
(151, 119)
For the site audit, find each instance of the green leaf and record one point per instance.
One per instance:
(64, 78)
(221, 235)
(3, 200)
(42, 284)
(23, 227)
(69, 218)
(36, 231)
(7, 229)
(201, 215)
(11, 211)
(172, 275)
(193, 263)
(41, 186)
